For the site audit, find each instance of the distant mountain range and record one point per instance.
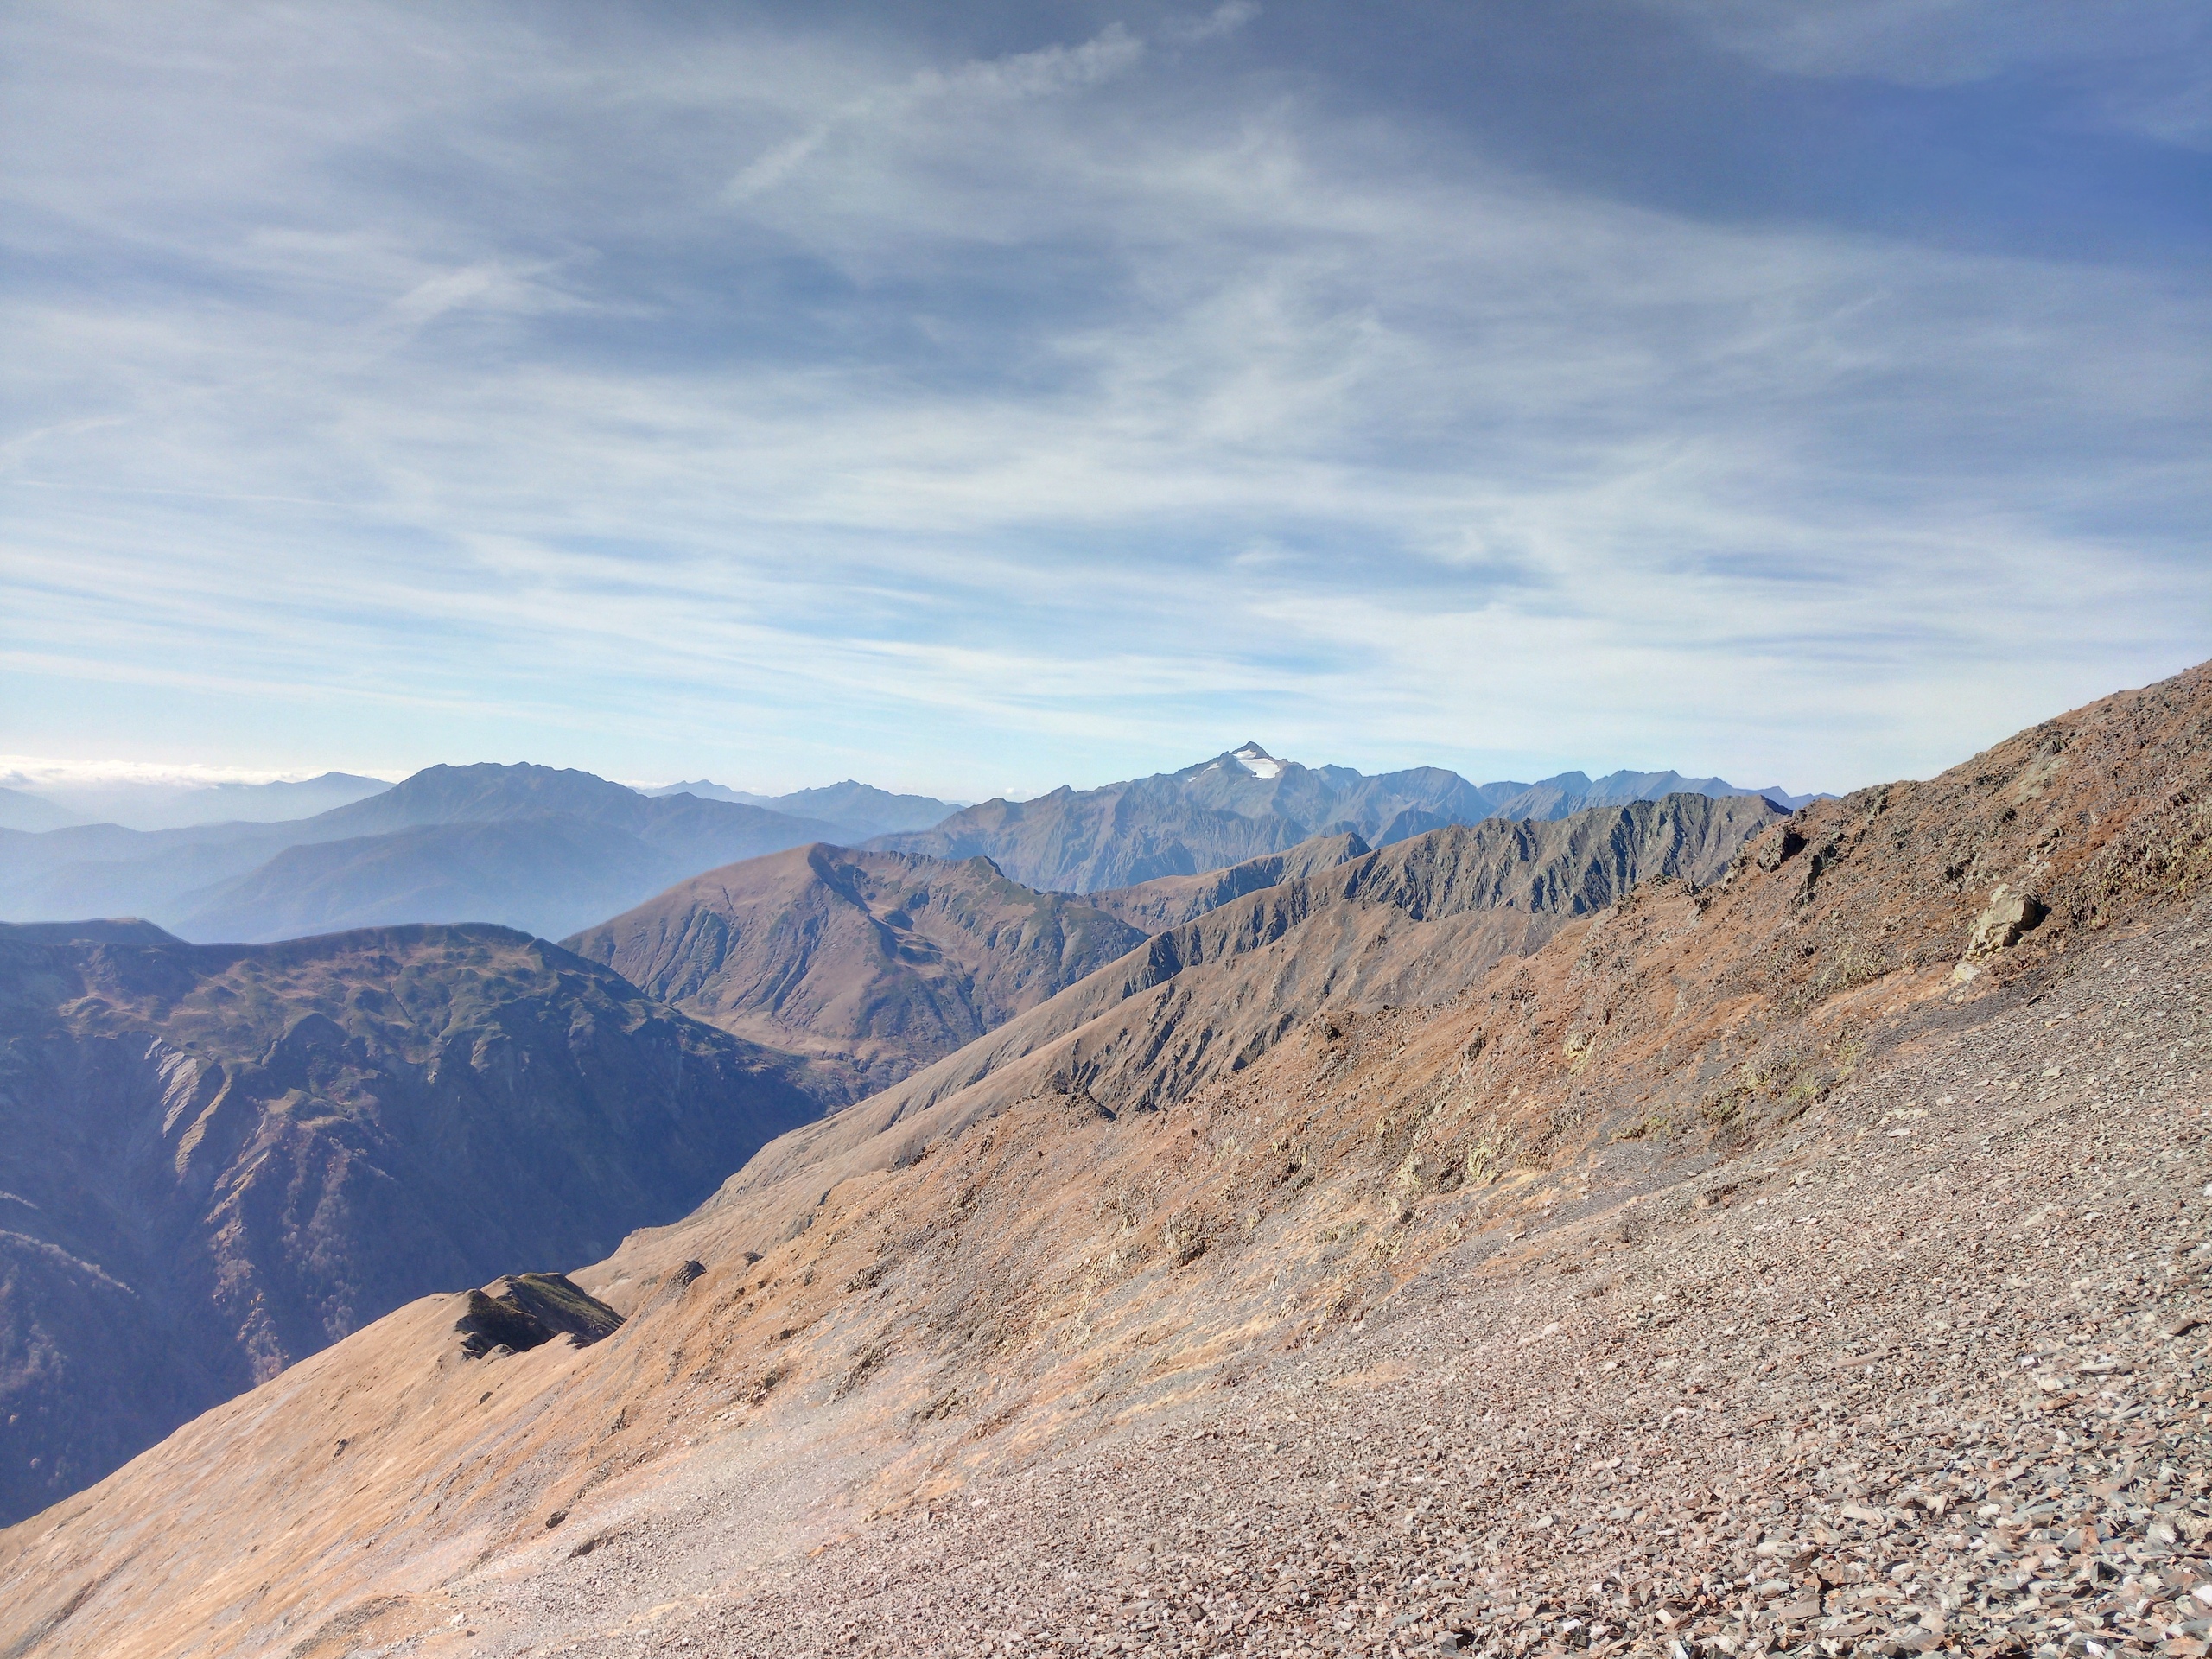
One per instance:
(410, 1095)
(528, 847)
(175, 806)
(215, 1159)
(1245, 803)
(19, 810)
(1360, 1143)
(552, 852)
(860, 810)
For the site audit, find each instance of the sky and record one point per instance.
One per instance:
(977, 397)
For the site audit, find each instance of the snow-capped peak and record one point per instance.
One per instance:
(1257, 762)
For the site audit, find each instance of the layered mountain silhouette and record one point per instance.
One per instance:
(229, 1155)
(215, 1159)
(859, 810)
(142, 804)
(525, 845)
(1246, 804)
(26, 812)
(570, 849)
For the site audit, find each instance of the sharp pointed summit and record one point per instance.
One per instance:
(1257, 762)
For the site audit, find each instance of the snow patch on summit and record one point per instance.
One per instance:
(1257, 762)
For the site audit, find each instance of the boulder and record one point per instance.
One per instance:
(1999, 927)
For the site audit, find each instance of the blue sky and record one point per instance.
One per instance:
(978, 398)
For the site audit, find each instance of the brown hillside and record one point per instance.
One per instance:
(1669, 1284)
(1417, 922)
(870, 965)
(1171, 900)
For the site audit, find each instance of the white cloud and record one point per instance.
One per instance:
(1224, 20)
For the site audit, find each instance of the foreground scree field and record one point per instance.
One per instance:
(1792, 1259)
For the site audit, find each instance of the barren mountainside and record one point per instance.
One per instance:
(1804, 1252)
(868, 964)
(1169, 901)
(1414, 923)
(215, 1161)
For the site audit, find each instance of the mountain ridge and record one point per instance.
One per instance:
(867, 963)
(1418, 922)
(1245, 803)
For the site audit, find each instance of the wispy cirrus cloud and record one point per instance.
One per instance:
(567, 386)
(2140, 66)
(931, 94)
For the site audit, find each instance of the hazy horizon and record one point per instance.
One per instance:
(62, 780)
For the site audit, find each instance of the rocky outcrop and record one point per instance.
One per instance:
(528, 1310)
(2006, 916)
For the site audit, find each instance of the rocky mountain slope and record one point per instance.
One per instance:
(520, 845)
(1665, 1290)
(1415, 923)
(1169, 901)
(870, 965)
(1246, 804)
(215, 1161)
